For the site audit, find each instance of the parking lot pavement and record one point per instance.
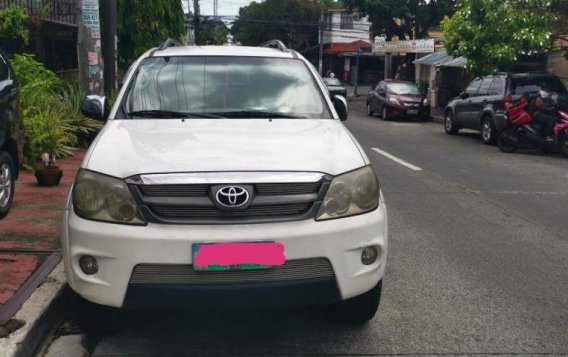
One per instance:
(478, 263)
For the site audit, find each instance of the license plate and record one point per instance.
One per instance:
(412, 111)
(237, 256)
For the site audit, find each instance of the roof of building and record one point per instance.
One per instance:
(442, 59)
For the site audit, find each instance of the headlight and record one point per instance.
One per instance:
(102, 198)
(394, 101)
(425, 103)
(352, 193)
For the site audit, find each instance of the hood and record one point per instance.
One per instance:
(410, 98)
(129, 147)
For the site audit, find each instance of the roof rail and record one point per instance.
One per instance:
(170, 42)
(275, 44)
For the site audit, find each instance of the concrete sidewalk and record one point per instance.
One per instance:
(29, 245)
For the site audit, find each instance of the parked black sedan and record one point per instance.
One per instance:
(334, 87)
(394, 98)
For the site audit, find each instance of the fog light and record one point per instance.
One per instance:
(88, 264)
(369, 255)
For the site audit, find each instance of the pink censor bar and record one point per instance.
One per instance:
(225, 254)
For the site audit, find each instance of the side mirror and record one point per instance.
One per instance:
(340, 104)
(95, 107)
(463, 95)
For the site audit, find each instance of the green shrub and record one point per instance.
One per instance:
(13, 21)
(51, 110)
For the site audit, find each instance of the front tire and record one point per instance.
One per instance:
(563, 143)
(385, 113)
(369, 111)
(488, 132)
(504, 144)
(359, 309)
(94, 319)
(7, 182)
(450, 125)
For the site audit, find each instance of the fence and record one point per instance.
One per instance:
(558, 65)
(60, 11)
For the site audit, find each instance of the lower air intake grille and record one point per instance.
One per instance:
(312, 268)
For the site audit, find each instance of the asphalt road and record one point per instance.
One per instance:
(478, 262)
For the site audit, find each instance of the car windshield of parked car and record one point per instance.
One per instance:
(332, 81)
(524, 85)
(226, 87)
(402, 88)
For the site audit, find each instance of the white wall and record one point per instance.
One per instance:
(360, 30)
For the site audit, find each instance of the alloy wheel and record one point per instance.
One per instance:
(5, 185)
(385, 113)
(486, 131)
(448, 122)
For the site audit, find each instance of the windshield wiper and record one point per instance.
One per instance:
(258, 114)
(170, 114)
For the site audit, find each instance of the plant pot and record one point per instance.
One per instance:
(48, 176)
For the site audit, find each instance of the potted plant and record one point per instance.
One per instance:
(49, 136)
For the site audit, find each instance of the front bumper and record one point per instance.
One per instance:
(409, 112)
(120, 248)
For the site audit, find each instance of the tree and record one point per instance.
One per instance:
(145, 24)
(13, 25)
(212, 32)
(492, 34)
(403, 18)
(294, 22)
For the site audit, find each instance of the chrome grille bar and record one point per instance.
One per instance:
(312, 268)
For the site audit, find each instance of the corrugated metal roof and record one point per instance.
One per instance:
(442, 59)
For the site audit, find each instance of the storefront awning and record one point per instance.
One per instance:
(339, 48)
(442, 59)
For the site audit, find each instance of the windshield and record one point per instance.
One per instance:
(236, 87)
(402, 88)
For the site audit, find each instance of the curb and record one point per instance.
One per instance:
(40, 313)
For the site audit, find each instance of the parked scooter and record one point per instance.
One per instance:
(519, 134)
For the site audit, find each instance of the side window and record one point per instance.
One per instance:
(473, 87)
(485, 85)
(497, 87)
(3, 69)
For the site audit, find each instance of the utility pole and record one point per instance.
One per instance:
(321, 29)
(89, 46)
(355, 92)
(196, 20)
(109, 46)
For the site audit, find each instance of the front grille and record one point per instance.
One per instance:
(195, 203)
(213, 212)
(287, 189)
(174, 190)
(313, 268)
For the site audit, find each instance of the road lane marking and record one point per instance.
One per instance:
(396, 159)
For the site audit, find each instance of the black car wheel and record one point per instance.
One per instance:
(369, 111)
(564, 145)
(7, 177)
(385, 113)
(488, 132)
(450, 123)
(505, 142)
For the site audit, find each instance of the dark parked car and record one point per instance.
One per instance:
(334, 87)
(11, 135)
(394, 98)
(481, 106)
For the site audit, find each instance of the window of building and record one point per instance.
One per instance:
(328, 20)
(346, 21)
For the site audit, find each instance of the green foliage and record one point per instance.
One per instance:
(491, 34)
(145, 24)
(50, 110)
(294, 22)
(13, 21)
(416, 17)
(212, 32)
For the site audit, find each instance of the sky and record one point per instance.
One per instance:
(226, 7)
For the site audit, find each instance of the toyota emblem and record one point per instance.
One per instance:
(232, 196)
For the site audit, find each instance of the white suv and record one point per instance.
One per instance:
(224, 176)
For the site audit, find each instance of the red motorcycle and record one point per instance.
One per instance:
(520, 134)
